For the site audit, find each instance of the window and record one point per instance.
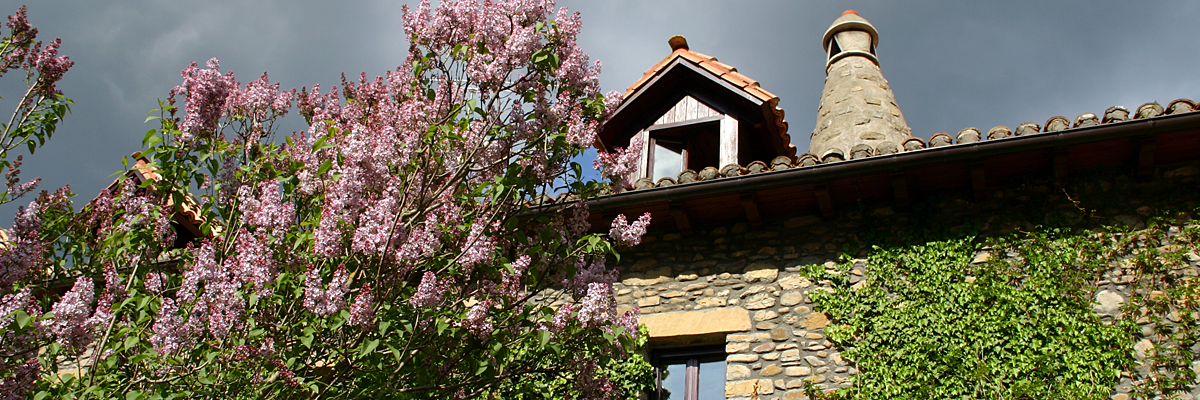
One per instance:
(679, 147)
(690, 374)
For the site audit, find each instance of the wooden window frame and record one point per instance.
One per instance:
(653, 146)
(691, 357)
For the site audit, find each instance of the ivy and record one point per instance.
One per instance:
(1012, 317)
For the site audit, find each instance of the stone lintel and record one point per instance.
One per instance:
(692, 327)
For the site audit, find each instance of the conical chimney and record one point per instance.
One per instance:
(858, 112)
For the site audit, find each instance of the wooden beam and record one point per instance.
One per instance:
(644, 169)
(1062, 166)
(729, 141)
(1146, 147)
(978, 181)
(752, 214)
(681, 218)
(825, 201)
(900, 192)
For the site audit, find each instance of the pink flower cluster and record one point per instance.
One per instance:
(215, 287)
(21, 51)
(479, 246)
(13, 182)
(171, 333)
(588, 273)
(429, 291)
(266, 211)
(619, 165)
(629, 321)
(14, 342)
(211, 96)
(23, 256)
(138, 209)
(627, 234)
(362, 312)
(577, 224)
(597, 307)
(21, 34)
(562, 317)
(510, 282)
(71, 321)
(205, 91)
(321, 300)
(477, 321)
(50, 66)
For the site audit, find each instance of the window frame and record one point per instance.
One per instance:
(667, 133)
(691, 357)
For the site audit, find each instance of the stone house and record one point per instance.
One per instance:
(737, 214)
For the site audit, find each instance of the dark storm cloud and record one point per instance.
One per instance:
(951, 64)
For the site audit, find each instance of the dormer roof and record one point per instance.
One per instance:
(686, 72)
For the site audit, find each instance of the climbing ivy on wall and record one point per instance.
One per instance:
(1012, 317)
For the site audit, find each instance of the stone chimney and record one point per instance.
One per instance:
(858, 113)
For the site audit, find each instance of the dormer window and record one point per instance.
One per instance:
(691, 112)
(692, 145)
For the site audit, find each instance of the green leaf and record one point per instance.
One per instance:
(307, 338)
(23, 319)
(369, 347)
(325, 166)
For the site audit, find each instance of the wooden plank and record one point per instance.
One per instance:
(1145, 159)
(1062, 165)
(690, 110)
(701, 120)
(687, 109)
(825, 202)
(729, 141)
(751, 207)
(681, 218)
(644, 159)
(900, 192)
(979, 181)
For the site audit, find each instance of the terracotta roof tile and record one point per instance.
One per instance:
(187, 213)
(965, 136)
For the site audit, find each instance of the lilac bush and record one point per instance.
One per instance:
(391, 249)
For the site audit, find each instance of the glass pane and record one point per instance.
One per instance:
(712, 380)
(667, 163)
(673, 379)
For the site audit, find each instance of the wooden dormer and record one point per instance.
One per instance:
(691, 111)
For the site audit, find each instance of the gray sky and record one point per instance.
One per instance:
(951, 64)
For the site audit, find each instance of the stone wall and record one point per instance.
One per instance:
(755, 272)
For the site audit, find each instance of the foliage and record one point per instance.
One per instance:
(39, 110)
(1164, 302)
(1013, 318)
(386, 251)
(35, 117)
(929, 323)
